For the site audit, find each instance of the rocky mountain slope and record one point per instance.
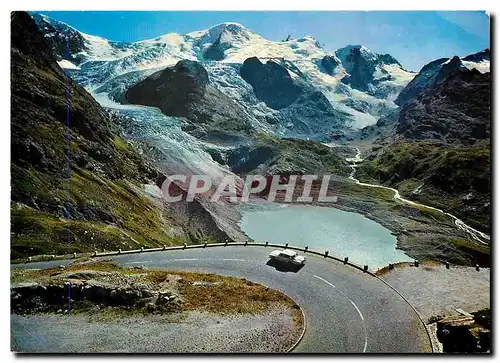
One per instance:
(86, 172)
(272, 156)
(448, 100)
(436, 148)
(454, 108)
(437, 70)
(456, 179)
(184, 91)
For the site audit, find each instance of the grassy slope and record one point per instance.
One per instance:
(302, 156)
(221, 294)
(448, 175)
(105, 204)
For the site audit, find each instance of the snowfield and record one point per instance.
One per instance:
(483, 67)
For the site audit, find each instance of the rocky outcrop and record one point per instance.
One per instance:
(271, 156)
(271, 83)
(36, 298)
(185, 91)
(330, 64)
(174, 90)
(455, 109)
(361, 66)
(462, 334)
(216, 50)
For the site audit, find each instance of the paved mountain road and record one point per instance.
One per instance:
(346, 310)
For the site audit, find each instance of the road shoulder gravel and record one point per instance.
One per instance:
(272, 331)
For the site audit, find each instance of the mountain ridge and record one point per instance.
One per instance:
(236, 45)
(436, 147)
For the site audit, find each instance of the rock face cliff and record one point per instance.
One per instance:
(185, 91)
(282, 87)
(454, 108)
(174, 90)
(271, 83)
(365, 69)
(330, 64)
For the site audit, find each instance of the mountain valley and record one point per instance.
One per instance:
(226, 101)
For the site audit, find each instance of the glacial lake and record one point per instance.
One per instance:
(323, 229)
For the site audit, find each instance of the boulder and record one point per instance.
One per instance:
(462, 334)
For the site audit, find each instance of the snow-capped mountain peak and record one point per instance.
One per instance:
(211, 34)
(359, 83)
(215, 41)
(350, 51)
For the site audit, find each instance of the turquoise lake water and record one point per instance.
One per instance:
(341, 233)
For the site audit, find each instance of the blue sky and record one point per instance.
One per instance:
(414, 38)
